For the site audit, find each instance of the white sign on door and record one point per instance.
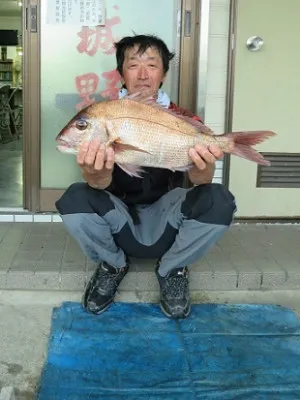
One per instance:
(76, 12)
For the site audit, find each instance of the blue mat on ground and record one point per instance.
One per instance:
(132, 351)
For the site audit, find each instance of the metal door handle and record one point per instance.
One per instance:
(187, 23)
(254, 43)
(31, 18)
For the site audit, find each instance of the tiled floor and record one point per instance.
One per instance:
(11, 174)
(42, 256)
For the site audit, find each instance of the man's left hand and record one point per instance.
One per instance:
(204, 159)
(201, 155)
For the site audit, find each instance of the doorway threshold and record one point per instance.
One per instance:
(22, 215)
(12, 209)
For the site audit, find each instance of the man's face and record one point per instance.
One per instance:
(142, 71)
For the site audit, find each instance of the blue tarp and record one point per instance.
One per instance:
(132, 351)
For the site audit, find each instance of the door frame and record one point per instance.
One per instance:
(230, 84)
(31, 108)
(37, 199)
(188, 66)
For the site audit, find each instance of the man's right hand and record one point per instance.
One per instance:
(96, 162)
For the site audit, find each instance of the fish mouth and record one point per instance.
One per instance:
(62, 145)
(65, 148)
(62, 142)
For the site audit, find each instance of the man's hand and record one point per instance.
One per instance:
(204, 159)
(97, 163)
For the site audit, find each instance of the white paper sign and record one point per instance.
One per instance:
(76, 12)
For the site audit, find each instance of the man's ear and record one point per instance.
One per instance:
(162, 80)
(122, 82)
(121, 77)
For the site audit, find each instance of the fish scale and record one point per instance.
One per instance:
(155, 140)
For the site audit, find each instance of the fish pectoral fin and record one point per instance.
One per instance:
(132, 170)
(119, 146)
(116, 143)
(111, 133)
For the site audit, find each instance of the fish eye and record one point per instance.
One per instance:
(81, 124)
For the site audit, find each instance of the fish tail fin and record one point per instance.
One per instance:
(242, 142)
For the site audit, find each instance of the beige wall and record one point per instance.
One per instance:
(217, 70)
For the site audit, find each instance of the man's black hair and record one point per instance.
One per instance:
(143, 42)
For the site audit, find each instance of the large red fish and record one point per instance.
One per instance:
(143, 133)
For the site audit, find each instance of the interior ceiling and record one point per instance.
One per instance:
(10, 8)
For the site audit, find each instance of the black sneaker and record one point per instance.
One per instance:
(101, 289)
(174, 293)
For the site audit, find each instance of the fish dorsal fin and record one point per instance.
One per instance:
(148, 99)
(141, 97)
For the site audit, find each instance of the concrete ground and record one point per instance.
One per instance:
(41, 266)
(42, 256)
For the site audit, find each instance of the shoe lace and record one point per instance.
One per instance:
(176, 285)
(107, 280)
